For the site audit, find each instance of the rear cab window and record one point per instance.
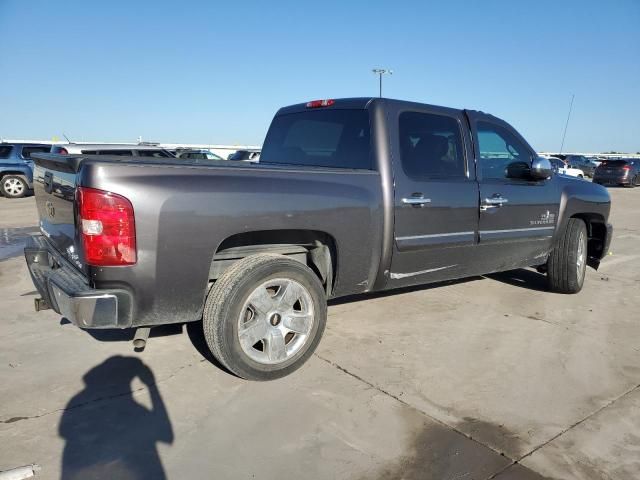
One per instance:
(333, 138)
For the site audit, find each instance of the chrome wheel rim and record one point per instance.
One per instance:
(581, 254)
(275, 321)
(13, 186)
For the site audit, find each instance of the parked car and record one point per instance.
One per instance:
(579, 162)
(560, 167)
(350, 196)
(618, 172)
(16, 167)
(111, 149)
(198, 154)
(245, 155)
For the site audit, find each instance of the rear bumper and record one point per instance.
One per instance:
(67, 291)
(611, 180)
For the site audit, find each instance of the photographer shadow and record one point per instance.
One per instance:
(108, 433)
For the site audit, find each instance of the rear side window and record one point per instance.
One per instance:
(125, 153)
(27, 151)
(431, 146)
(196, 156)
(323, 138)
(152, 153)
(5, 151)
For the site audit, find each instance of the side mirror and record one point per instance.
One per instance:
(541, 168)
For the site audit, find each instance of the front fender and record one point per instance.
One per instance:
(588, 201)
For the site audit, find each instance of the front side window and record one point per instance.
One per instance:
(325, 138)
(431, 146)
(499, 148)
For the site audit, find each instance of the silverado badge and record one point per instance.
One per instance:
(546, 218)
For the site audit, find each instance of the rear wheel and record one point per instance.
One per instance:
(567, 262)
(264, 317)
(14, 186)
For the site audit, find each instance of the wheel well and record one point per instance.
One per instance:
(4, 173)
(596, 232)
(314, 248)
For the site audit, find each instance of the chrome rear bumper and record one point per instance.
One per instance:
(67, 291)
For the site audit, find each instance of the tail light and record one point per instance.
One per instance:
(63, 151)
(107, 227)
(626, 167)
(320, 103)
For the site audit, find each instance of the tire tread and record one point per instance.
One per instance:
(561, 264)
(221, 295)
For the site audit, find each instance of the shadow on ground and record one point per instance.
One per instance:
(523, 278)
(520, 277)
(118, 439)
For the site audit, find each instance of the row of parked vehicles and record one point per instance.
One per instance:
(16, 164)
(618, 171)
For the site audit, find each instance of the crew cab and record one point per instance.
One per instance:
(350, 196)
(16, 167)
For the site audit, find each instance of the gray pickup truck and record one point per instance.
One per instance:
(350, 196)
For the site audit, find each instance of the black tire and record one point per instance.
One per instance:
(226, 304)
(14, 186)
(564, 273)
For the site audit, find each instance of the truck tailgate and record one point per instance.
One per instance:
(54, 184)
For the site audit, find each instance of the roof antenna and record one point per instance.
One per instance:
(567, 124)
(68, 141)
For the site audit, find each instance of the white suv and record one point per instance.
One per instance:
(562, 168)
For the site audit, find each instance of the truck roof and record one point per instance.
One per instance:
(364, 102)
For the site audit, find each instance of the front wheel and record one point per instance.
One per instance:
(567, 262)
(264, 317)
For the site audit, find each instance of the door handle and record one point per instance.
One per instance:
(495, 201)
(415, 200)
(48, 182)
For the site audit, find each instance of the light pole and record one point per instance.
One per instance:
(380, 72)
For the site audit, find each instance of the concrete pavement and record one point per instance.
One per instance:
(484, 378)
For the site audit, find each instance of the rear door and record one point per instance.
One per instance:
(435, 195)
(517, 216)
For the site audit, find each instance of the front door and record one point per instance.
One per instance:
(436, 196)
(517, 216)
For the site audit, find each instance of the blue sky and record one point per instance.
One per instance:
(216, 72)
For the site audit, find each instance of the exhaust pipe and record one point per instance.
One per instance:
(41, 304)
(140, 338)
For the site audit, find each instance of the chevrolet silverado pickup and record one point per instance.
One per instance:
(349, 196)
